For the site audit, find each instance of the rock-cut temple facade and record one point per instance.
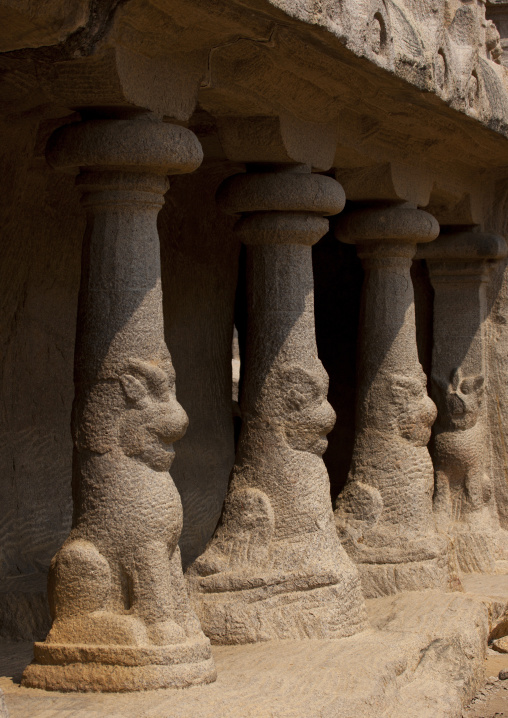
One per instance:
(314, 194)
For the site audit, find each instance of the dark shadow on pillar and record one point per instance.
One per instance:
(199, 255)
(338, 277)
(424, 316)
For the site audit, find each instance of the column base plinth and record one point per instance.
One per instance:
(281, 611)
(474, 551)
(387, 579)
(86, 668)
(390, 567)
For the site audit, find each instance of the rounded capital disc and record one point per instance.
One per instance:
(271, 228)
(465, 246)
(132, 145)
(281, 192)
(395, 223)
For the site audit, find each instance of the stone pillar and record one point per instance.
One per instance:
(459, 266)
(384, 515)
(275, 568)
(121, 615)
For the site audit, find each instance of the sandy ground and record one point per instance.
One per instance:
(492, 700)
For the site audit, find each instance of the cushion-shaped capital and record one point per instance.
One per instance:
(465, 247)
(281, 192)
(132, 145)
(393, 223)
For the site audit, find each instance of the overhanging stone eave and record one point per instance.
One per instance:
(336, 78)
(313, 50)
(391, 114)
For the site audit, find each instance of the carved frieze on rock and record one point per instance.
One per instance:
(497, 14)
(449, 48)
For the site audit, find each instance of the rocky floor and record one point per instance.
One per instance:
(422, 658)
(491, 701)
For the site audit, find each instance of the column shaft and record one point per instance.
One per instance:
(275, 568)
(384, 515)
(459, 266)
(121, 615)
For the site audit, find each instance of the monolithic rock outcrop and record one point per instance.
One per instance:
(402, 103)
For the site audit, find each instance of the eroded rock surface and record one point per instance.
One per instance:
(423, 659)
(121, 614)
(275, 568)
(384, 515)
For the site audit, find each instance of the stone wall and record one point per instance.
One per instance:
(39, 275)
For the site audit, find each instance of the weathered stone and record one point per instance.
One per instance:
(28, 24)
(39, 276)
(4, 713)
(384, 515)
(500, 645)
(199, 260)
(403, 101)
(424, 659)
(464, 500)
(497, 17)
(121, 616)
(492, 591)
(275, 568)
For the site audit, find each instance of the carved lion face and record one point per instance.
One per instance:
(153, 419)
(461, 400)
(399, 404)
(309, 416)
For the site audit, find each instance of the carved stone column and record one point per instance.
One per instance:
(121, 614)
(275, 568)
(384, 515)
(459, 266)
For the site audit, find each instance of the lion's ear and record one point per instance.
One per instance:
(133, 388)
(478, 383)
